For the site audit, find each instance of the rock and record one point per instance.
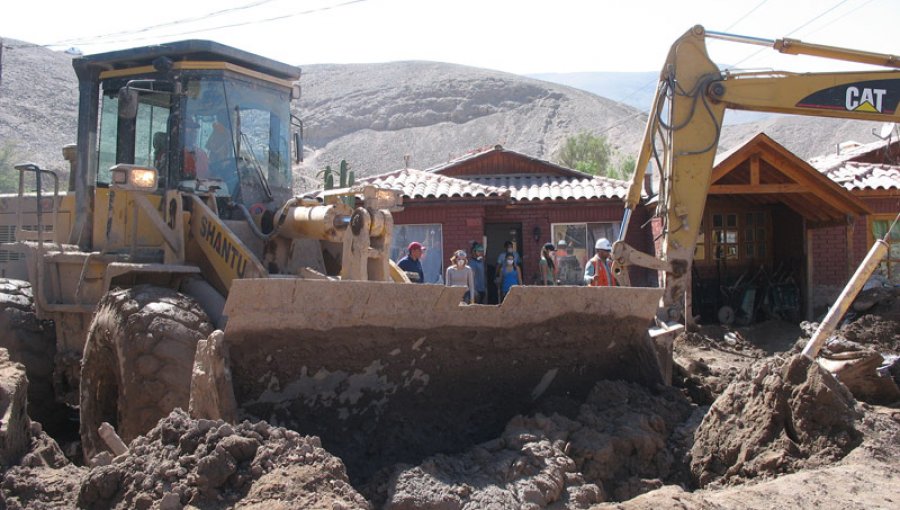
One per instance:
(858, 371)
(15, 427)
(212, 393)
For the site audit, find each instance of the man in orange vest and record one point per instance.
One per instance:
(598, 270)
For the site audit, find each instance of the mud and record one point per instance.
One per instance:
(784, 415)
(211, 465)
(706, 362)
(402, 395)
(619, 444)
(43, 479)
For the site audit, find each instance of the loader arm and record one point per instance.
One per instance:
(685, 121)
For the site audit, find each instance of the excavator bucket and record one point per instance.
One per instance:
(388, 373)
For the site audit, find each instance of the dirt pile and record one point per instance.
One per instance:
(784, 415)
(44, 478)
(212, 464)
(704, 364)
(617, 446)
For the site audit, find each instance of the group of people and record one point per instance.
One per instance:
(470, 272)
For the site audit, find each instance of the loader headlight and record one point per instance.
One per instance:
(133, 177)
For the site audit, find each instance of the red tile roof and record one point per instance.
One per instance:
(859, 176)
(421, 184)
(544, 187)
(847, 170)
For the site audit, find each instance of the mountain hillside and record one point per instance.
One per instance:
(38, 104)
(374, 115)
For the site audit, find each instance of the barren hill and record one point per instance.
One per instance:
(38, 104)
(373, 115)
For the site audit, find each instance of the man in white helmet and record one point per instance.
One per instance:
(598, 270)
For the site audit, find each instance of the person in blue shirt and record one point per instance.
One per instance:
(476, 262)
(411, 263)
(510, 276)
(508, 249)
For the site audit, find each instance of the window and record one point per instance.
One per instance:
(754, 235)
(735, 236)
(149, 130)
(700, 249)
(242, 131)
(890, 266)
(579, 239)
(725, 236)
(431, 237)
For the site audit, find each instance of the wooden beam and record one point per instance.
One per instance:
(829, 191)
(754, 170)
(851, 267)
(811, 212)
(807, 250)
(746, 189)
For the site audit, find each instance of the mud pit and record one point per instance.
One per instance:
(619, 444)
(781, 433)
(405, 394)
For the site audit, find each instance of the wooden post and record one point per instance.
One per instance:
(850, 230)
(807, 250)
(689, 303)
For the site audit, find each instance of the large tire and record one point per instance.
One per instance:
(137, 361)
(32, 342)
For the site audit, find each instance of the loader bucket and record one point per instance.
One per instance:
(388, 373)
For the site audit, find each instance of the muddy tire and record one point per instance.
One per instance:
(32, 342)
(137, 361)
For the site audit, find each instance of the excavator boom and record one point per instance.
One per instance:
(685, 122)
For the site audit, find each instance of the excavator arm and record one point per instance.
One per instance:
(684, 125)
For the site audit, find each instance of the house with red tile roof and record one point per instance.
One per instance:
(496, 195)
(771, 220)
(870, 172)
(775, 221)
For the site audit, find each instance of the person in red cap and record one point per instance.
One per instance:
(411, 263)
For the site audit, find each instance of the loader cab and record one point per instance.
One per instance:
(206, 130)
(209, 118)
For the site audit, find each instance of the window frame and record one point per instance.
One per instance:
(706, 239)
(870, 235)
(582, 255)
(398, 249)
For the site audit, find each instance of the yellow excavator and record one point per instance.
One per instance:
(180, 219)
(685, 121)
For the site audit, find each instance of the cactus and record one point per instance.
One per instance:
(329, 177)
(346, 178)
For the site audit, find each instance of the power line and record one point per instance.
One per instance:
(181, 21)
(748, 13)
(232, 25)
(95, 40)
(833, 7)
(646, 86)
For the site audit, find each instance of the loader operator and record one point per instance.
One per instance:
(412, 262)
(597, 272)
(196, 161)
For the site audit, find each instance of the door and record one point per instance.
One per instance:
(497, 234)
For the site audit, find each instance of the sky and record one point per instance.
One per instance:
(517, 36)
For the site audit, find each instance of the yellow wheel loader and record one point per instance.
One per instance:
(180, 220)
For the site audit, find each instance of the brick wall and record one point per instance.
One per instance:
(832, 264)
(463, 221)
